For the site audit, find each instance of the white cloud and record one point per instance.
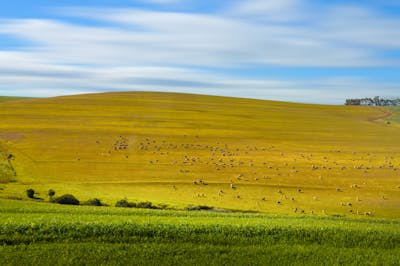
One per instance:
(135, 49)
(271, 10)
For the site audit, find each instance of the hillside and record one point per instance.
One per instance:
(11, 98)
(181, 150)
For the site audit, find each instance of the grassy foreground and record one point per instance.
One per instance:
(48, 234)
(180, 150)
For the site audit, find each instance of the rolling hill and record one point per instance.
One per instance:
(181, 149)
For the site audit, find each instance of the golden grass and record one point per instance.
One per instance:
(268, 150)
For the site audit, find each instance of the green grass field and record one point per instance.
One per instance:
(181, 150)
(49, 234)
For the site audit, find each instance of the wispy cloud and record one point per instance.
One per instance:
(138, 49)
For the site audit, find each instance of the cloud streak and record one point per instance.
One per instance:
(138, 49)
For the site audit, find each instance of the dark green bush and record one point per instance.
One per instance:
(66, 199)
(51, 193)
(94, 202)
(146, 205)
(30, 193)
(199, 208)
(143, 205)
(125, 204)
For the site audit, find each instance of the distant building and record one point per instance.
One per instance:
(376, 101)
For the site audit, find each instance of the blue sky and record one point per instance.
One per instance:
(291, 50)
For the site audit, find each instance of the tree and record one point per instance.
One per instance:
(30, 193)
(51, 193)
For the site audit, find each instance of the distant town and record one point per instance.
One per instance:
(376, 101)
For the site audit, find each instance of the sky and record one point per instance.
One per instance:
(290, 50)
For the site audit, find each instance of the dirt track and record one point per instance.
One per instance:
(385, 115)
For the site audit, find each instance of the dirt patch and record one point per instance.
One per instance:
(385, 114)
(11, 136)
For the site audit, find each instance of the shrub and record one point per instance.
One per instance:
(94, 202)
(146, 205)
(125, 204)
(199, 208)
(30, 193)
(51, 193)
(67, 199)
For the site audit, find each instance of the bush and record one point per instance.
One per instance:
(125, 204)
(199, 208)
(30, 193)
(51, 193)
(146, 205)
(94, 202)
(67, 199)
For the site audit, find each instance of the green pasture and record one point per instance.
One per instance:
(50, 234)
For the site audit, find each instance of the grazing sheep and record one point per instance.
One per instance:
(232, 186)
(368, 213)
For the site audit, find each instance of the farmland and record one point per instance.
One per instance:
(181, 150)
(43, 234)
(284, 183)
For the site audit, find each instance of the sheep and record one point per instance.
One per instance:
(368, 213)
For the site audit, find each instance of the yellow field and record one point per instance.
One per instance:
(182, 150)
